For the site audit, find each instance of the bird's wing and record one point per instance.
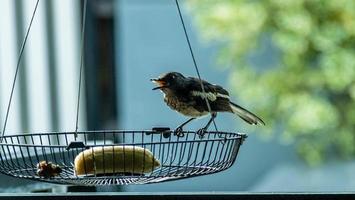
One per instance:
(212, 91)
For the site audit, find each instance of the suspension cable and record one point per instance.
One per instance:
(81, 66)
(194, 61)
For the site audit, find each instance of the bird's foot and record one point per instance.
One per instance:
(179, 132)
(201, 132)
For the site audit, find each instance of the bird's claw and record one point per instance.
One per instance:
(201, 132)
(179, 132)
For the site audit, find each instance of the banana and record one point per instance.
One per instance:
(115, 159)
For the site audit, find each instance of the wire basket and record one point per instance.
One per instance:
(178, 157)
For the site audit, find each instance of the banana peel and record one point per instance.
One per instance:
(115, 159)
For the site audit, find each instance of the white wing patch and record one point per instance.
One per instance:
(209, 95)
(222, 95)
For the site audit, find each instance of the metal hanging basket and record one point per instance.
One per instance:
(176, 157)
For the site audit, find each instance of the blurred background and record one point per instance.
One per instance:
(290, 61)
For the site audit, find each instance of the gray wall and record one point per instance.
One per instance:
(151, 41)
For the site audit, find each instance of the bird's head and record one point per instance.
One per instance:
(170, 80)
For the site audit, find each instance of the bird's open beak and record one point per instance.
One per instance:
(159, 82)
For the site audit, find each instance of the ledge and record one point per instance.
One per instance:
(180, 196)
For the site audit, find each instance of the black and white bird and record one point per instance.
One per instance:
(185, 95)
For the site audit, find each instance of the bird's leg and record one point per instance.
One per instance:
(201, 132)
(179, 131)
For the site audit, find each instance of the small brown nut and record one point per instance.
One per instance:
(48, 169)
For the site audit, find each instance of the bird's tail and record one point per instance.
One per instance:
(246, 115)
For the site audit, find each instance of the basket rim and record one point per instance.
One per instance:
(8, 139)
(240, 134)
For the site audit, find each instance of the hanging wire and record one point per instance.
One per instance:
(195, 63)
(81, 66)
(17, 69)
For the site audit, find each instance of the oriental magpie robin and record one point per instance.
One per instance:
(185, 95)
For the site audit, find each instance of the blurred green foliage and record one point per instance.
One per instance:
(309, 93)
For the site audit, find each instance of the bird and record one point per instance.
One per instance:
(185, 95)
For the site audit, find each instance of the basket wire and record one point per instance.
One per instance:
(179, 157)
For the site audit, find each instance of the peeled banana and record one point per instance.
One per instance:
(115, 159)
